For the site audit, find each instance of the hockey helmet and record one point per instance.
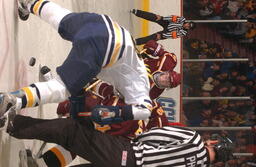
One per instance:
(190, 25)
(175, 79)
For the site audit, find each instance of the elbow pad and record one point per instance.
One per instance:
(141, 112)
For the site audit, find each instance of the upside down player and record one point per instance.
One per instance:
(100, 48)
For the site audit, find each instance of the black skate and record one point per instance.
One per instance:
(23, 10)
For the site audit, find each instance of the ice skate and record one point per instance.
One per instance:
(7, 101)
(133, 11)
(6, 121)
(23, 158)
(23, 9)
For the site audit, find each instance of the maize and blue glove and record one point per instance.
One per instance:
(111, 114)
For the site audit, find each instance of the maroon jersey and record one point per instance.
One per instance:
(100, 94)
(132, 128)
(166, 62)
(159, 60)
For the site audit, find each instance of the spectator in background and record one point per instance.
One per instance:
(193, 47)
(211, 69)
(250, 34)
(219, 6)
(234, 6)
(198, 111)
(219, 79)
(238, 79)
(214, 50)
(250, 5)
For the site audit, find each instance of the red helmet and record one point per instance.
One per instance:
(175, 79)
(153, 48)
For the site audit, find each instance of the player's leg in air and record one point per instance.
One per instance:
(54, 90)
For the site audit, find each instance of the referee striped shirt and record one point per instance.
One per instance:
(175, 27)
(172, 147)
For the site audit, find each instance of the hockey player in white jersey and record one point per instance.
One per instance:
(100, 47)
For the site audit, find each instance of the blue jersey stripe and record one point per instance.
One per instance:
(122, 49)
(112, 40)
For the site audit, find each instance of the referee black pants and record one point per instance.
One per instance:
(151, 17)
(101, 149)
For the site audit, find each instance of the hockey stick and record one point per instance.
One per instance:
(44, 75)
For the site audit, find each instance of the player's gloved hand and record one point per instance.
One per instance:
(63, 108)
(111, 114)
(153, 49)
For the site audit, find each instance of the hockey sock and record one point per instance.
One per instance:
(51, 91)
(58, 157)
(36, 6)
(30, 98)
(48, 11)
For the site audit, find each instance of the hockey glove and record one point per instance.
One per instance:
(63, 108)
(111, 114)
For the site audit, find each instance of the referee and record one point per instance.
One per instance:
(167, 146)
(173, 26)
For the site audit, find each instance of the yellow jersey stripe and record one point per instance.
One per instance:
(162, 62)
(102, 128)
(105, 18)
(30, 97)
(118, 44)
(36, 7)
(148, 70)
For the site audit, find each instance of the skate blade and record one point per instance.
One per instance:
(22, 12)
(3, 123)
(4, 119)
(23, 158)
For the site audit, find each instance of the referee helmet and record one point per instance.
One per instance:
(223, 149)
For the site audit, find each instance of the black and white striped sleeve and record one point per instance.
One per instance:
(170, 146)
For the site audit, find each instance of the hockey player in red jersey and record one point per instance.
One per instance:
(160, 64)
